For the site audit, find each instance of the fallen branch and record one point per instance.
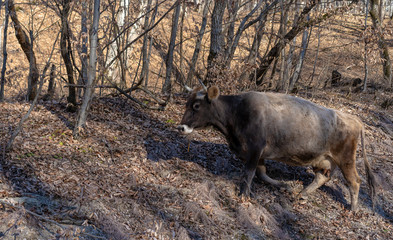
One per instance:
(45, 218)
(159, 101)
(84, 86)
(32, 213)
(161, 107)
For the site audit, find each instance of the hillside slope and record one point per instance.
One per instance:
(131, 176)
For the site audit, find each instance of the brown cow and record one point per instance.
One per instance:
(283, 128)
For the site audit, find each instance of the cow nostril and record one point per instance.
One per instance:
(180, 128)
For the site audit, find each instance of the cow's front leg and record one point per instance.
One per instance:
(249, 172)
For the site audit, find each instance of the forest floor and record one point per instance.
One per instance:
(131, 176)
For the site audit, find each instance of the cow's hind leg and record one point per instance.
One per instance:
(261, 174)
(352, 177)
(319, 180)
(347, 164)
(323, 170)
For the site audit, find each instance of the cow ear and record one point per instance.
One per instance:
(213, 92)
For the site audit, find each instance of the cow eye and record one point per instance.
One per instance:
(196, 106)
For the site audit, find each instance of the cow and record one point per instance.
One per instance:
(284, 128)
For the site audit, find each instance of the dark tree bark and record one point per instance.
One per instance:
(51, 84)
(83, 55)
(167, 87)
(66, 51)
(4, 67)
(233, 8)
(27, 47)
(216, 39)
(145, 62)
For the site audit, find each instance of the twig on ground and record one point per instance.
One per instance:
(45, 219)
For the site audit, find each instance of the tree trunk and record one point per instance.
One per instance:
(27, 48)
(4, 48)
(377, 23)
(145, 62)
(286, 62)
(116, 70)
(216, 39)
(167, 87)
(241, 28)
(83, 56)
(183, 14)
(257, 40)
(275, 51)
(316, 57)
(233, 8)
(365, 50)
(300, 25)
(66, 51)
(295, 77)
(198, 44)
(83, 111)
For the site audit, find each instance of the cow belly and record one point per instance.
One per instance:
(305, 160)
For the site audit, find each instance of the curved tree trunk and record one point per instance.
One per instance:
(27, 48)
(66, 51)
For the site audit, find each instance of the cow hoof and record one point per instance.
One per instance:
(302, 197)
(245, 192)
(354, 208)
(285, 187)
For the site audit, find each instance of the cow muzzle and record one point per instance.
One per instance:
(184, 129)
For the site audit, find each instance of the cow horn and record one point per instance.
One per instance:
(188, 89)
(203, 85)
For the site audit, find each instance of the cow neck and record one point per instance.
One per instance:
(223, 113)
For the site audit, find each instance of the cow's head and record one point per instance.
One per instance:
(199, 109)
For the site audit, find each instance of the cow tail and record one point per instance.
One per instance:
(372, 183)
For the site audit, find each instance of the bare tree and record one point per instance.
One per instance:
(216, 38)
(145, 46)
(198, 43)
(4, 48)
(26, 43)
(83, 111)
(84, 42)
(300, 25)
(296, 74)
(377, 23)
(167, 87)
(66, 51)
